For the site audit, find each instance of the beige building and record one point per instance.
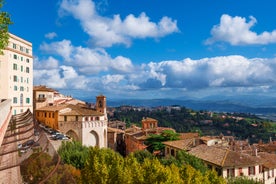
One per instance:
(89, 126)
(16, 74)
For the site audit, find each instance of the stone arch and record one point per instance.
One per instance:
(71, 133)
(95, 138)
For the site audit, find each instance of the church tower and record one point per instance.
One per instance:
(101, 104)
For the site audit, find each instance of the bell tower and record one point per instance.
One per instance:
(101, 104)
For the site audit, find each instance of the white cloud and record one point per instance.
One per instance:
(237, 31)
(108, 31)
(94, 69)
(63, 48)
(49, 63)
(87, 60)
(228, 71)
(64, 77)
(51, 35)
(108, 79)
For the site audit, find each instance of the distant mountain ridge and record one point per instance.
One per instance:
(220, 106)
(246, 104)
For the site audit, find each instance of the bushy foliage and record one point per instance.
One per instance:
(154, 141)
(5, 21)
(36, 167)
(73, 153)
(104, 166)
(39, 165)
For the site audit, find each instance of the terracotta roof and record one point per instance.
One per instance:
(148, 119)
(52, 108)
(115, 130)
(188, 135)
(79, 110)
(268, 159)
(43, 88)
(222, 157)
(133, 129)
(183, 144)
(72, 110)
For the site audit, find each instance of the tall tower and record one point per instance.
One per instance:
(101, 105)
(16, 74)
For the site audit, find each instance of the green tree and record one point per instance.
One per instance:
(154, 142)
(103, 166)
(155, 172)
(73, 153)
(5, 21)
(142, 155)
(65, 174)
(185, 158)
(36, 167)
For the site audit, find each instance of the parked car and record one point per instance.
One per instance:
(19, 146)
(61, 137)
(28, 143)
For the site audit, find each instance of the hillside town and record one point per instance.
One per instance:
(39, 118)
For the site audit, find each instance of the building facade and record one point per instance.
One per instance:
(89, 126)
(16, 74)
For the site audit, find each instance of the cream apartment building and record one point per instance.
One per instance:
(16, 74)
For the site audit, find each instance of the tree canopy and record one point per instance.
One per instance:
(5, 21)
(154, 141)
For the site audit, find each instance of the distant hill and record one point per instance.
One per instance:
(247, 104)
(218, 106)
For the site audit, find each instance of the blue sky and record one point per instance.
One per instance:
(149, 48)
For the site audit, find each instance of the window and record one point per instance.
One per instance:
(27, 100)
(21, 58)
(172, 152)
(14, 100)
(27, 70)
(14, 45)
(251, 170)
(77, 118)
(21, 99)
(27, 60)
(15, 88)
(260, 169)
(231, 172)
(14, 66)
(27, 51)
(65, 118)
(21, 79)
(21, 88)
(21, 68)
(240, 172)
(14, 78)
(14, 56)
(21, 48)
(27, 80)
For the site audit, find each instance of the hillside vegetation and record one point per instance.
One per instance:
(240, 125)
